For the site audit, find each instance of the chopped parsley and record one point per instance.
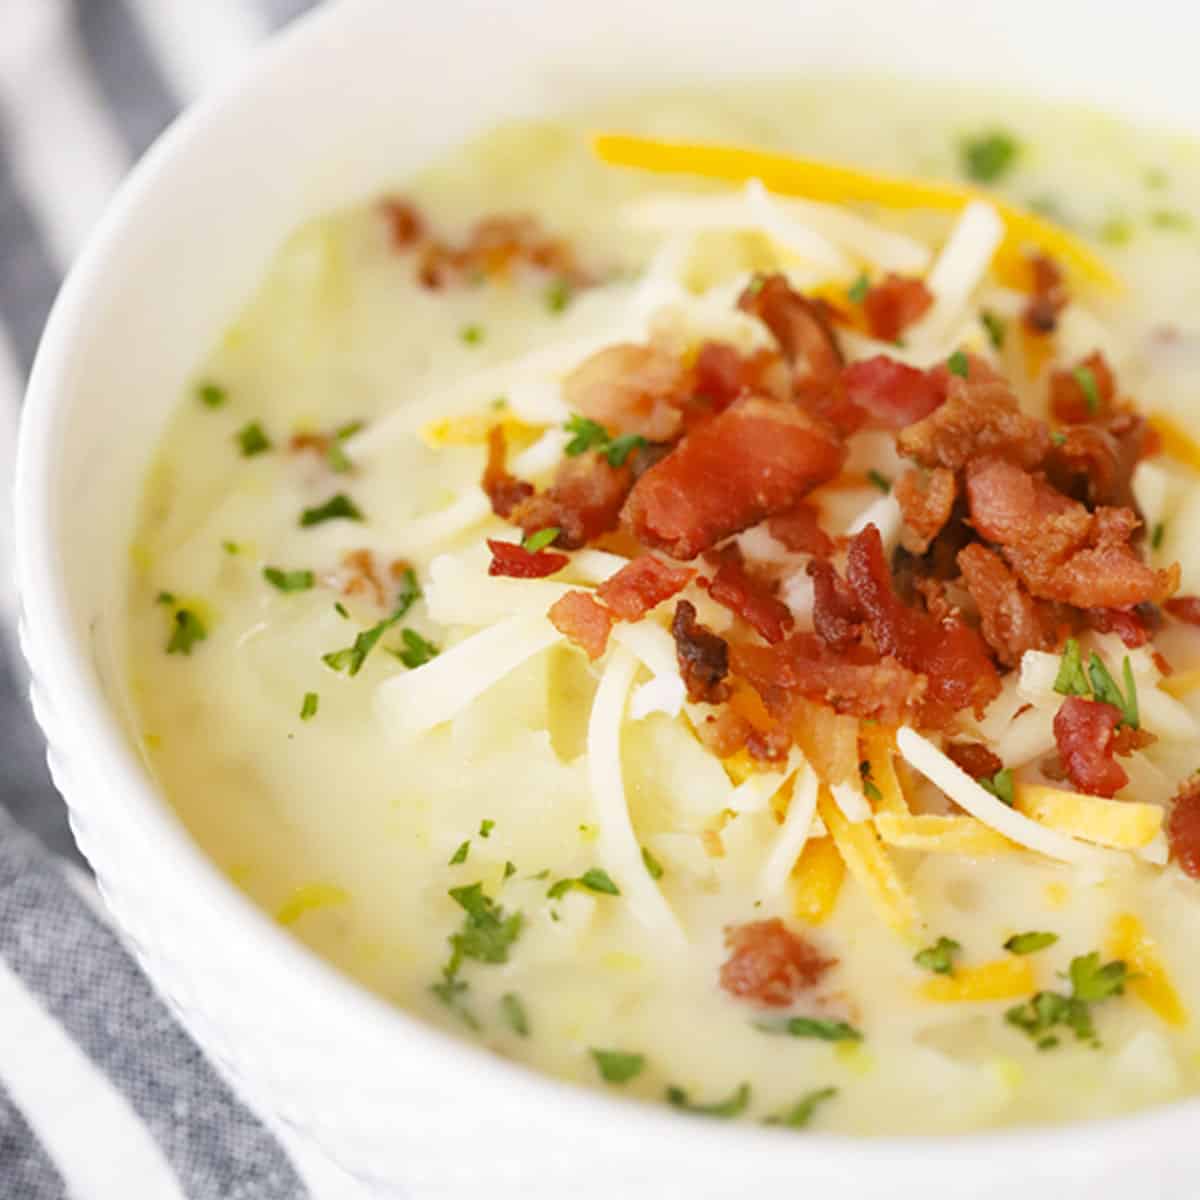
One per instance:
(653, 867)
(337, 458)
(308, 709)
(451, 991)
(1116, 231)
(460, 855)
(1086, 378)
(988, 156)
(416, 651)
(731, 1107)
(1071, 680)
(510, 869)
(595, 880)
(540, 539)
(1091, 983)
(811, 1027)
(1030, 943)
(802, 1112)
(856, 293)
(288, 581)
(211, 395)
(869, 789)
(514, 1014)
(587, 434)
(1171, 219)
(620, 448)
(996, 328)
(471, 334)
(485, 827)
(340, 609)
(339, 507)
(231, 547)
(351, 658)
(879, 480)
(186, 632)
(1058, 438)
(1000, 785)
(756, 285)
(488, 933)
(1157, 535)
(1105, 689)
(558, 296)
(958, 364)
(617, 1066)
(252, 440)
(165, 598)
(938, 958)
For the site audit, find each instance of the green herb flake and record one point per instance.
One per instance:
(308, 709)
(1092, 982)
(289, 581)
(1030, 943)
(617, 1066)
(856, 293)
(1116, 231)
(986, 157)
(938, 958)
(416, 651)
(653, 867)
(515, 1016)
(338, 507)
(821, 1029)
(879, 480)
(1058, 438)
(1157, 535)
(460, 855)
(598, 880)
(558, 296)
(1000, 785)
(1171, 219)
(1085, 377)
(231, 547)
(340, 609)
(165, 598)
(186, 632)
(451, 992)
(586, 435)
(487, 934)
(1105, 689)
(211, 395)
(510, 869)
(802, 1112)
(472, 335)
(252, 440)
(755, 285)
(540, 539)
(1071, 680)
(731, 1107)
(958, 364)
(996, 328)
(620, 448)
(351, 658)
(486, 827)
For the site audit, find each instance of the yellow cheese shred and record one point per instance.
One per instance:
(1003, 979)
(1122, 824)
(830, 183)
(309, 897)
(869, 863)
(936, 834)
(1177, 442)
(470, 429)
(1149, 982)
(817, 880)
(1181, 683)
(878, 746)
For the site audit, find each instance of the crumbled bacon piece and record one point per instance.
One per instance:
(1011, 621)
(1183, 827)
(724, 733)
(1049, 296)
(837, 617)
(1185, 609)
(703, 656)
(926, 500)
(769, 965)
(1128, 624)
(495, 246)
(747, 597)
(504, 491)
(586, 623)
(770, 745)
(583, 502)
(892, 394)
(718, 374)
(1072, 401)
(894, 304)
(641, 584)
(758, 458)
(358, 577)
(404, 221)
(1083, 731)
(974, 758)
(316, 443)
(513, 560)
(801, 327)
(1127, 739)
(799, 529)
(979, 416)
(631, 389)
(1095, 463)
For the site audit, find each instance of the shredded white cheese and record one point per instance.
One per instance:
(754, 793)
(885, 515)
(794, 832)
(459, 593)
(654, 647)
(851, 801)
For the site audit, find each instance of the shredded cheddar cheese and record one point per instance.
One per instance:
(1181, 683)
(1177, 442)
(1003, 979)
(817, 881)
(937, 834)
(1122, 824)
(878, 746)
(1149, 982)
(470, 429)
(308, 898)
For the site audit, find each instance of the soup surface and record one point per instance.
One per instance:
(708, 833)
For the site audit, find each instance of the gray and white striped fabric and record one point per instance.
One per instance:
(102, 1095)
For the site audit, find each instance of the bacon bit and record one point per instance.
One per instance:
(1049, 296)
(758, 458)
(801, 327)
(979, 417)
(799, 529)
(892, 394)
(725, 732)
(405, 223)
(769, 746)
(722, 375)
(747, 597)
(583, 502)
(769, 965)
(1010, 619)
(642, 584)
(703, 656)
(1184, 608)
(1183, 828)
(1127, 739)
(1070, 401)
(837, 617)
(1126, 623)
(894, 304)
(586, 623)
(496, 245)
(1083, 731)
(316, 443)
(504, 491)
(631, 389)
(926, 501)
(1096, 463)
(1059, 550)
(974, 758)
(1164, 667)
(358, 576)
(950, 652)
(518, 563)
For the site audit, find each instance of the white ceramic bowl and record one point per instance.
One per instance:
(352, 99)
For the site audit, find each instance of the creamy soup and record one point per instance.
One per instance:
(861, 799)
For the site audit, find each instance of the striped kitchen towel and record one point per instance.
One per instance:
(102, 1094)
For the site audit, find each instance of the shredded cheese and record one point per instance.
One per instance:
(655, 649)
(1003, 979)
(309, 897)
(458, 593)
(936, 834)
(1182, 683)
(1177, 442)
(757, 789)
(1121, 824)
(1149, 981)
(793, 833)
(878, 745)
(817, 880)
(468, 429)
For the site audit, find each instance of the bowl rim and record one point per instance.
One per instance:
(61, 669)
